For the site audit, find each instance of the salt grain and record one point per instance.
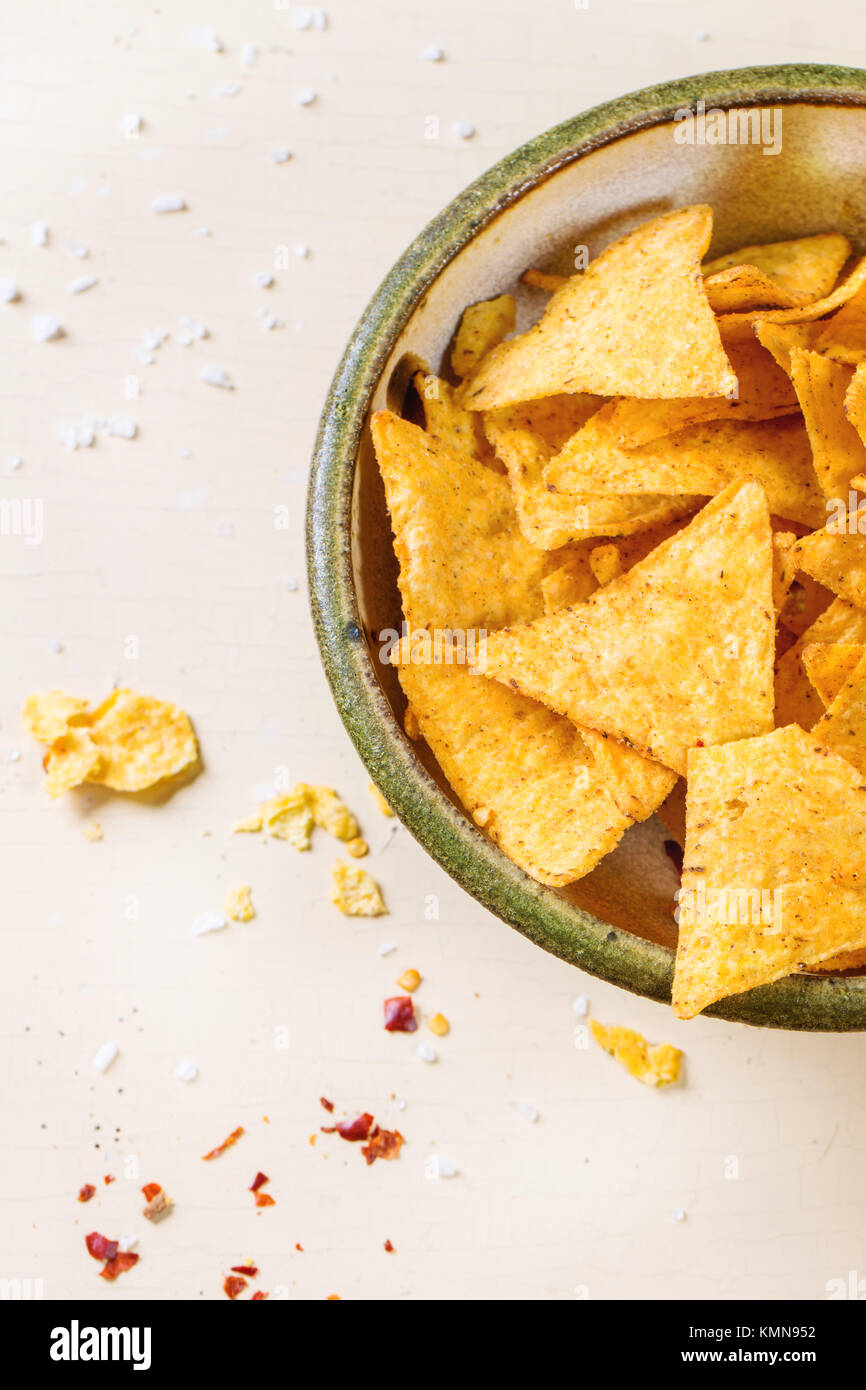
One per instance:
(227, 89)
(302, 252)
(131, 124)
(105, 1056)
(249, 55)
(45, 327)
(263, 279)
(82, 283)
(39, 234)
(169, 202)
(305, 97)
(186, 1070)
(9, 291)
(77, 249)
(216, 376)
(122, 426)
(269, 321)
(426, 1053)
(433, 53)
(437, 1167)
(463, 130)
(55, 645)
(15, 463)
(678, 1214)
(527, 1111)
(127, 1243)
(208, 922)
(205, 38)
(280, 156)
(580, 1006)
(386, 948)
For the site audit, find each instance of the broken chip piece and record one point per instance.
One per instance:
(354, 892)
(658, 1064)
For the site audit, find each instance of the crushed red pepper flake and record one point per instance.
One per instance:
(100, 1247)
(258, 1181)
(264, 1199)
(233, 1286)
(86, 1192)
(109, 1178)
(251, 1270)
(299, 1246)
(226, 1144)
(352, 1130)
(400, 1014)
(326, 1104)
(258, 1296)
(151, 1190)
(389, 1247)
(384, 1143)
(119, 1265)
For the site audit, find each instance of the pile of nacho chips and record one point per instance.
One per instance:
(632, 563)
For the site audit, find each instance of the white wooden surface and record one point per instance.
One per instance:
(97, 940)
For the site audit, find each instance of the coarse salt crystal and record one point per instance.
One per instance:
(249, 54)
(82, 283)
(15, 463)
(130, 124)
(386, 948)
(305, 97)
(527, 1111)
(464, 130)
(122, 426)
(205, 37)
(13, 755)
(426, 1053)
(399, 1103)
(433, 53)
(438, 1167)
(302, 251)
(202, 231)
(186, 1070)
(39, 234)
(8, 290)
(169, 202)
(216, 376)
(263, 279)
(269, 321)
(78, 249)
(280, 156)
(105, 1056)
(45, 327)
(55, 645)
(225, 528)
(580, 1006)
(227, 89)
(208, 922)
(127, 1243)
(678, 1214)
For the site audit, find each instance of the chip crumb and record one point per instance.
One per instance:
(357, 847)
(409, 980)
(655, 1065)
(239, 904)
(354, 892)
(439, 1025)
(411, 726)
(378, 800)
(92, 831)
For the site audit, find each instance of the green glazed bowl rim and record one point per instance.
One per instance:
(539, 913)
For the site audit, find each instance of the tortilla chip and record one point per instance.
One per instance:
(444, 419)
(837, 559)
(463, 560)
(73, 758)
(528, 776)
(796, 699)
(677, 651)
(751, 816)
(605, 562)
(838, 452)
(784, 567)
(780, 339)
(843, 726)
(704, 458)
(572, 581)
(354, 892)
(829, 664)
(855, 404)
(764, 391)
(803, 924)
(731, 325)
(636, 323)
(543, 280)
(140, 740)
(741, 287)
(806, 267)
(549, 520)
(848, 960)
(805, 603)
(657, 1065)
(47, 715)
(843, 337)
(482, 326)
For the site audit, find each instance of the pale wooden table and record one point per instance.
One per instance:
(762, 1149)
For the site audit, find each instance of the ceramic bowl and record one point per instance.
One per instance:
(586, 182)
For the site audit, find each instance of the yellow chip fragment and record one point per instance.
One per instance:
(837, 559)
(47, 715)
(605, 562)
(829, 664)
(806, 268)
(72, 759)
(482, 326)
(354, 892)
(409, 980)
(292, 815)
(797, 701)
(445, 420)
(656, 1064)
(838, 452)
(357, 847)
(439, 1025)
(378, 800)
(239, 904)
(92, 831)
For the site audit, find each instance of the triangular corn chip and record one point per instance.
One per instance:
(764, 391)
(740, 287)
(732, 324)
(445, 420)
(454, 527)
(837, 559)
(780, 339)
(855, 403)
(704, 458)
(796, 699)
(549, 520)
(677, 651)
(585, 566)
(752, 811)
(838, 452)
(482, 326)
(843, 337)
(829, 664)
(803, 926)
(843, 726)
(527, 776)
(636, 323)
(805, 603)
(807, 266)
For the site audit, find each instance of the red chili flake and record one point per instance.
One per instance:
(353, 1130)
(226, 1144)
(400, 1014)
(258, 1181)
(100, 1247)
(233, 1286)
(264, 1199)
(86, 1192)
(384, 1143)
(251, 1270)
(258, 1296)
(109, 1178)
(151, 1190)
(298, 1246)
(326, 1104)
(333, 1298)
(119, 1265)
(389, 1247)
